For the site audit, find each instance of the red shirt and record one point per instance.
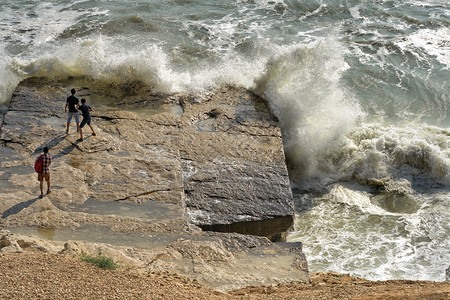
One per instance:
(46, 161)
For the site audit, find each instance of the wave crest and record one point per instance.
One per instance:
(374, 155)
(305, 92)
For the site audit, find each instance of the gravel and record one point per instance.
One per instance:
(37, 275)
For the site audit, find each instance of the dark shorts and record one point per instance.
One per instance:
(85, 121)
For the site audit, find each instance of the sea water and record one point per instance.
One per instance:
(361, 89)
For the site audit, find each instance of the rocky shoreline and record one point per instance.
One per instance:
(192, 184)
(195, 185)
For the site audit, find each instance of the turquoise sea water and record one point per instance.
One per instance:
(361, 89)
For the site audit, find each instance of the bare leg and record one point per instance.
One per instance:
(78, 126)
(41, 179)
(68, 124)
(81, 133)
(93, 133)
(48, 184)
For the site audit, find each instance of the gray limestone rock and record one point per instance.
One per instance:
(160, 168)
(217, 159)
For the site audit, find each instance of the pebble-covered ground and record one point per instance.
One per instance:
(37, 275)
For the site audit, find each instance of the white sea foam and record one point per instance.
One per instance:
(396, 232)
(419, 154)
(434, 42)
(352, 239)
(354, 11)
(352, 197)
(101, 59)
(399, 150)
(303, 86)
(9, 79)
(42, 22)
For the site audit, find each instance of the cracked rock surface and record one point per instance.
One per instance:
(160, 168)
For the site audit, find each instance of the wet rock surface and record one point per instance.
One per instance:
(160, 167)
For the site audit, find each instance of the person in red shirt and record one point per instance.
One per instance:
(45, 173)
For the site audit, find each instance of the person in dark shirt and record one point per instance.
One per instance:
(72, 103)
(85, 110)
(45, 172)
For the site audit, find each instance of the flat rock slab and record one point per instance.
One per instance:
(90, 179)
(215, 160)
(160, 165)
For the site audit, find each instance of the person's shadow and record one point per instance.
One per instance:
(67, 149)
(58, 139)
(18, 208)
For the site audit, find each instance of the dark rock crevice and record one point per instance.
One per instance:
(143, 194)
(274, 228)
